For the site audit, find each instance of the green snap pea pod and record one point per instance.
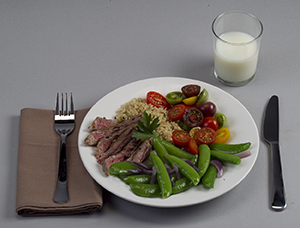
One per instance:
(181, 185)
(184, 168)
(159, 148)
(145, 190)
(225, 157)
(120, 168)
(208, 179)
(162, 176)
(140, 178)
(194, 160)
(204, 159)
(173, 150)
(230, 148)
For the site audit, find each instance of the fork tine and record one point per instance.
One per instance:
(57, 105)
(62, 105)
(66, 113)
(72, 105)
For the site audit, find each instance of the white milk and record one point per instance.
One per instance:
(236, 62)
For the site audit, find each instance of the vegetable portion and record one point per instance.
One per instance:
(157, 100)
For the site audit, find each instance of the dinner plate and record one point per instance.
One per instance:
(240, 123)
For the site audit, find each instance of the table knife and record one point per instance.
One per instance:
(271, 135)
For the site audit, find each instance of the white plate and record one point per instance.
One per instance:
(240, 123)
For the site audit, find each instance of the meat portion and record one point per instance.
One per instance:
(114, 142)
(141, 152)
(122, 156)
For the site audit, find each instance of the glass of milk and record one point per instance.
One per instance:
(236, 42)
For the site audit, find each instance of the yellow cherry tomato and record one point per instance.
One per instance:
(190, 100)
(222, 135)
(193, 132)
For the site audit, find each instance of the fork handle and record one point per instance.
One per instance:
(61, 193)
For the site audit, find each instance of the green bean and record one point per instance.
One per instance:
(162, 175)
(146, 190)
(173, 150)
(141, 178)
(159, 148)
(208, 179)
(182, 185)
(204, 159)
(225, 157)
(184, 168)
(230, 148)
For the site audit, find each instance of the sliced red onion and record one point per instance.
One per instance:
(219, 167)
(176, 169)
(153, 177)
(244, 154)
(142, 166)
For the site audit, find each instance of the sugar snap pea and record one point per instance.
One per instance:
(162, 175)
(184, 168)
(208, 179)
(225, 157)
(159, 148)
(141, 178)
(230, 148)
(146, 190)
(120, 168)
(173, 150)
(182, 185)
(204, 158)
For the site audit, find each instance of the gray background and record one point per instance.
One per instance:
(92, 47)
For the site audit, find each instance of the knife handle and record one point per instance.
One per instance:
(278, 192)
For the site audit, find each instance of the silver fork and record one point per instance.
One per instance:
(64, 122)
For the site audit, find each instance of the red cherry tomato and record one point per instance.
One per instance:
(206, 135)
(181, 138)
(157, 100)
(176, 112)
(193, 146)
(211, 122)
(190, 90)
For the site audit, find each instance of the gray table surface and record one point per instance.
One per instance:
(92, 47)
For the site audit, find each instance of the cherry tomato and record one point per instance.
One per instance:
(193, 117)
(208, 108)
(157, 100)
(206, 135)
(190, 90)
(193, 132)
(193, 146)
(211, 122)
(222, 135)
(176, 112)
(181, 138)
(190, 100)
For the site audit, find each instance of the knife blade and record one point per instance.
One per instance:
(271, 135)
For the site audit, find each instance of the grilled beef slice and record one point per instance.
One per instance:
(116, 146)
(101, 123)
(122, 155)
(141, 152)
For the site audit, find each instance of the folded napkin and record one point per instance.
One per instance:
(38, 157)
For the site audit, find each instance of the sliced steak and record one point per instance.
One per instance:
(93, 138)
(116, 146)
(141, 152)
(101, 123)
(121, 156)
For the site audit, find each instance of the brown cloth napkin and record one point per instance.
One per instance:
(38, 157)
